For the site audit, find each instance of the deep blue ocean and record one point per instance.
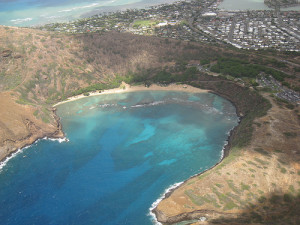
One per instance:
(124, 150)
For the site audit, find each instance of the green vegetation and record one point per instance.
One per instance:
(144, 23)
(165, 77)
(275, 63)
(262, 162)
(204, 61)
(244, 187)
(251, 103)
(252, 163)
(288, 197)
(245, 128)
(252, 170)
(242, 68)
(262, 199)
(262, 151)
(9, 81)
(226, 200)
(292, 189)
(36, 112)
(219, 185)
(197, 200)
(275, 199)
(229, 205)
(233, 187)
(116, 82)
(282, 170)
(290, 134)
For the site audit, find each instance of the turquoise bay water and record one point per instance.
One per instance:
(38, 12)
(124, 151)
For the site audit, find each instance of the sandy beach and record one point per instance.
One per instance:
(128, 88)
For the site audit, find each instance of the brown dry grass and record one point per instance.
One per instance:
(244, 186)
(19, 126)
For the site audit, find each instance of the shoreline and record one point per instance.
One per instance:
(167, 192)
(126, 88)
(13, 154)
(58, 135)
(242, 111)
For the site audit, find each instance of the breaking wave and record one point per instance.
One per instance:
(155, 204)
(21, 150)
(18, 21)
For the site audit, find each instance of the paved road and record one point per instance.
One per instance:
(230, 34)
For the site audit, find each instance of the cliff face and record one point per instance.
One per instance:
(20, 127)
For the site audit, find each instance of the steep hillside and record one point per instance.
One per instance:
(19, 125)
(45, 67)
(39, 68)
(256, 184)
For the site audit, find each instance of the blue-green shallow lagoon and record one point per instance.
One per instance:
(124, 151)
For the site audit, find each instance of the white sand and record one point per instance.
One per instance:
(127, 88)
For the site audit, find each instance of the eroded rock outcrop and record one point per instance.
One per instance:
(19, 126)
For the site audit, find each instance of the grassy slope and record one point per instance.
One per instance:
(258, 182)
(39, 68)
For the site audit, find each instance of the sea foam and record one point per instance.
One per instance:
(60, 140)
(21, 150)
(148, 104)
(155, 204)
(79, 7)
(18, 21)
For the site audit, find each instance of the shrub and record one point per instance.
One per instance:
(287, 197)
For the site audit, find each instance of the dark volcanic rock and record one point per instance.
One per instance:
(6, 53)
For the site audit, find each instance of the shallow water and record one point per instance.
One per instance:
(124, 151)
(37, 12)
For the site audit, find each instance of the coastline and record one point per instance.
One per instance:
(125, 88)
(21, 128)
(153, 212)
(244, 112)
(58, 133)
(196, 88)
(13, 154)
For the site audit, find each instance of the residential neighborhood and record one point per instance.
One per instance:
(199, 21)
(254, 29)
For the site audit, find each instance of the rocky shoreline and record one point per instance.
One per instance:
(241, 112)
(195, 215)
(36, 129)
(35, 133)
(228, 93)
